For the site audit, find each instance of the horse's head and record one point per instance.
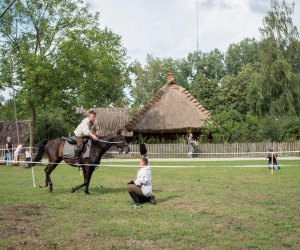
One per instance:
(120, 142)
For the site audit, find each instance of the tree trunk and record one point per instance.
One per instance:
(32, 121)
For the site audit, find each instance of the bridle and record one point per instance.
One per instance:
(111, 142)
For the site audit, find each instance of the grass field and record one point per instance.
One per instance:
(208, 207)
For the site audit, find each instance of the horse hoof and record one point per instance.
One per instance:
(50, 189)
(42, 186)
(72, 190)
(87, 192)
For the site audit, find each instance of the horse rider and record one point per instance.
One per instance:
(87, 127)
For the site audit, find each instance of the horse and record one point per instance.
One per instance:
(54, 151)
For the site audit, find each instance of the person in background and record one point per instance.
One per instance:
(191, 142)
(87, 127)
(8, 151)
(140, 189)
(27, 156)
(273, 164)
(17, 153)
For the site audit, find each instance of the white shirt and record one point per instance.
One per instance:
(27, 154)
(144, 180)
(85, 127)
(18, 150)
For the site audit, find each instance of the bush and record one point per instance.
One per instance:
(291, 129)
(51, 124)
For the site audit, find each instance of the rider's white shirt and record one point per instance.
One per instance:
(85, 127)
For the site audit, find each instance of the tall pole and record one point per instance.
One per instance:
(14, 99)
(197, 26)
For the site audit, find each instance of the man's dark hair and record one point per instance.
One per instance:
(92, 112)
(143, 149)
(145, 161)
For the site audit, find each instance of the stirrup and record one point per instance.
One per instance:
(77, 163)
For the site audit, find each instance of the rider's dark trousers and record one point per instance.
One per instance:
(79, 142)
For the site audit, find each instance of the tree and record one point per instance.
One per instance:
(52, 124)
(234, 90)
(225, 126)
(149, 79)
(291, 129)
(206, 91)
(241, 54)
(203, 72)
(278, 91)
(95, 67)
(210, 64)
(56, 56)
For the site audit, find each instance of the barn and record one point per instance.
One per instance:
(171, 113)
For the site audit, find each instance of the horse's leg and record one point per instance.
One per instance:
(88, 179)
(48, 170)
(87, 173)
(46, 183)
(84, 170)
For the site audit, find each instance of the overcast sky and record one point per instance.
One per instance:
(168, 28)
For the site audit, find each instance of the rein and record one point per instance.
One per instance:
(112, 142)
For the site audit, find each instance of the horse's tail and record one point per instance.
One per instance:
(40, 153)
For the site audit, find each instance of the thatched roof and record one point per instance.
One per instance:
(172, 109)
(8, 128)
(110, 119)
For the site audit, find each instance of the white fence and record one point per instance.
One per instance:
(206, 150)
(203, 150)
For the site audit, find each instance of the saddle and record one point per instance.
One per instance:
(72, 140)
(70, 146)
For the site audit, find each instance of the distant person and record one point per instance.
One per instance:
(87, 127)
(17, 153)
(8, 151)
(272, 164)
(191, 142)
(140, 190)
(27, 156)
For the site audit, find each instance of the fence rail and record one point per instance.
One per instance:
(212, 150)
(203, 150)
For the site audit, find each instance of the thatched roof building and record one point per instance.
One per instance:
(172, 110)
(9, 128)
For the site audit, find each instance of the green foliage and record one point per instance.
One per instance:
(7, 111)
(60, 58)
(52, 124)
(241, 54)
(206, 91)
(278, 93)
(210, 64)
(234, 90)
(291, 129)
(149, 79)
(225, 126)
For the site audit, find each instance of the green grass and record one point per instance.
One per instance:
(198, 208)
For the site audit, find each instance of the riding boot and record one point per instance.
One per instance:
(135, 198)
(77, 157)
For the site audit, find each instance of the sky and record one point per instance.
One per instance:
(168, 28)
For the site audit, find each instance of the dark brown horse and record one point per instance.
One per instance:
(54, 151)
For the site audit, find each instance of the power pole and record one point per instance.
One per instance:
(197, 26)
